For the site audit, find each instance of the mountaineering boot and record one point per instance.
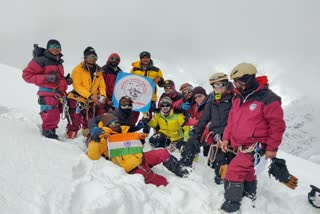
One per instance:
(51, 133)
(173, 165)
(250, 189)
(233, 195)
(158, 140)
(187, 160)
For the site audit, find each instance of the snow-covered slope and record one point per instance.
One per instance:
(40, 175)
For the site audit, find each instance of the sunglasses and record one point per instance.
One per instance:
(165, 105)
(52, 46)
(198, 96)
(167, 87)
(218, 85)
(92, 57)
(114, 123)
(187, 92)
(115, 59)
(127, 106)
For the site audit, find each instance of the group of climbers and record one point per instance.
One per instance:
(232, 122)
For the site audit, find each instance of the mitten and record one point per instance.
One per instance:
(185, 106)
(52, 77)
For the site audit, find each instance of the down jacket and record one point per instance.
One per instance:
(151, 72)
(44, 64)
(256, 118)
(84, 85)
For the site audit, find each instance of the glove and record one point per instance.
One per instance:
(140, 125)
(278, 169)
(68, 79)
(153, 106)
(52, 77)
(223, 171)
(185, 106)
(95, 133)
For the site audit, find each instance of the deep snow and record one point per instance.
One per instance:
(40, 175)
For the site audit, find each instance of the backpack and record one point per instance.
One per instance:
(37, 51)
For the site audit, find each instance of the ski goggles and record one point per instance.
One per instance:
(218, 85)
(186, 92)
(52, 46)
(167, 87)
(165, 105)
(115, 59)
(92, 57)
(126, 106)
(114, 123)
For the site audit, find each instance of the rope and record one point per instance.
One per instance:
(65, 108)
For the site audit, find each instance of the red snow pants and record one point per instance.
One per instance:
(80, 119)
(152, 158)
(241, 168)
(51, 117)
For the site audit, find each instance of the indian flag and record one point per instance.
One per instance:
(124, 144)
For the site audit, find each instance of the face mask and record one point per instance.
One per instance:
(217, 96)
(126, 111)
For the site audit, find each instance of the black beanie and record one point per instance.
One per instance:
(144, 53)
(88, 51)
(199, 90)
(53, 42)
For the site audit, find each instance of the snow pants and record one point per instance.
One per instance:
(50, 110)
(80, 118)
(152, 158)
(241, 168)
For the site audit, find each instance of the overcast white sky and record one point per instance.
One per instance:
(194, 37)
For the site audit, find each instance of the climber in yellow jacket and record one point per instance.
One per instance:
(170, 125)
(145, 67)
(87, 98)
(113, 141)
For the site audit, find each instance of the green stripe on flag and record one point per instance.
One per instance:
(125, 151)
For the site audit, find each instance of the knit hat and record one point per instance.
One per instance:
(53, 42)
(107, 118)
(186, 86)
(168, 83)
(88, 51)
(165, 100)
(125, 99)
(144, 53)
(199, 90)
(114, 57)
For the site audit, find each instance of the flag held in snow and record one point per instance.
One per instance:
(138, 88)
(124, 144)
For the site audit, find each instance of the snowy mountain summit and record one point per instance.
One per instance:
(41, 175)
